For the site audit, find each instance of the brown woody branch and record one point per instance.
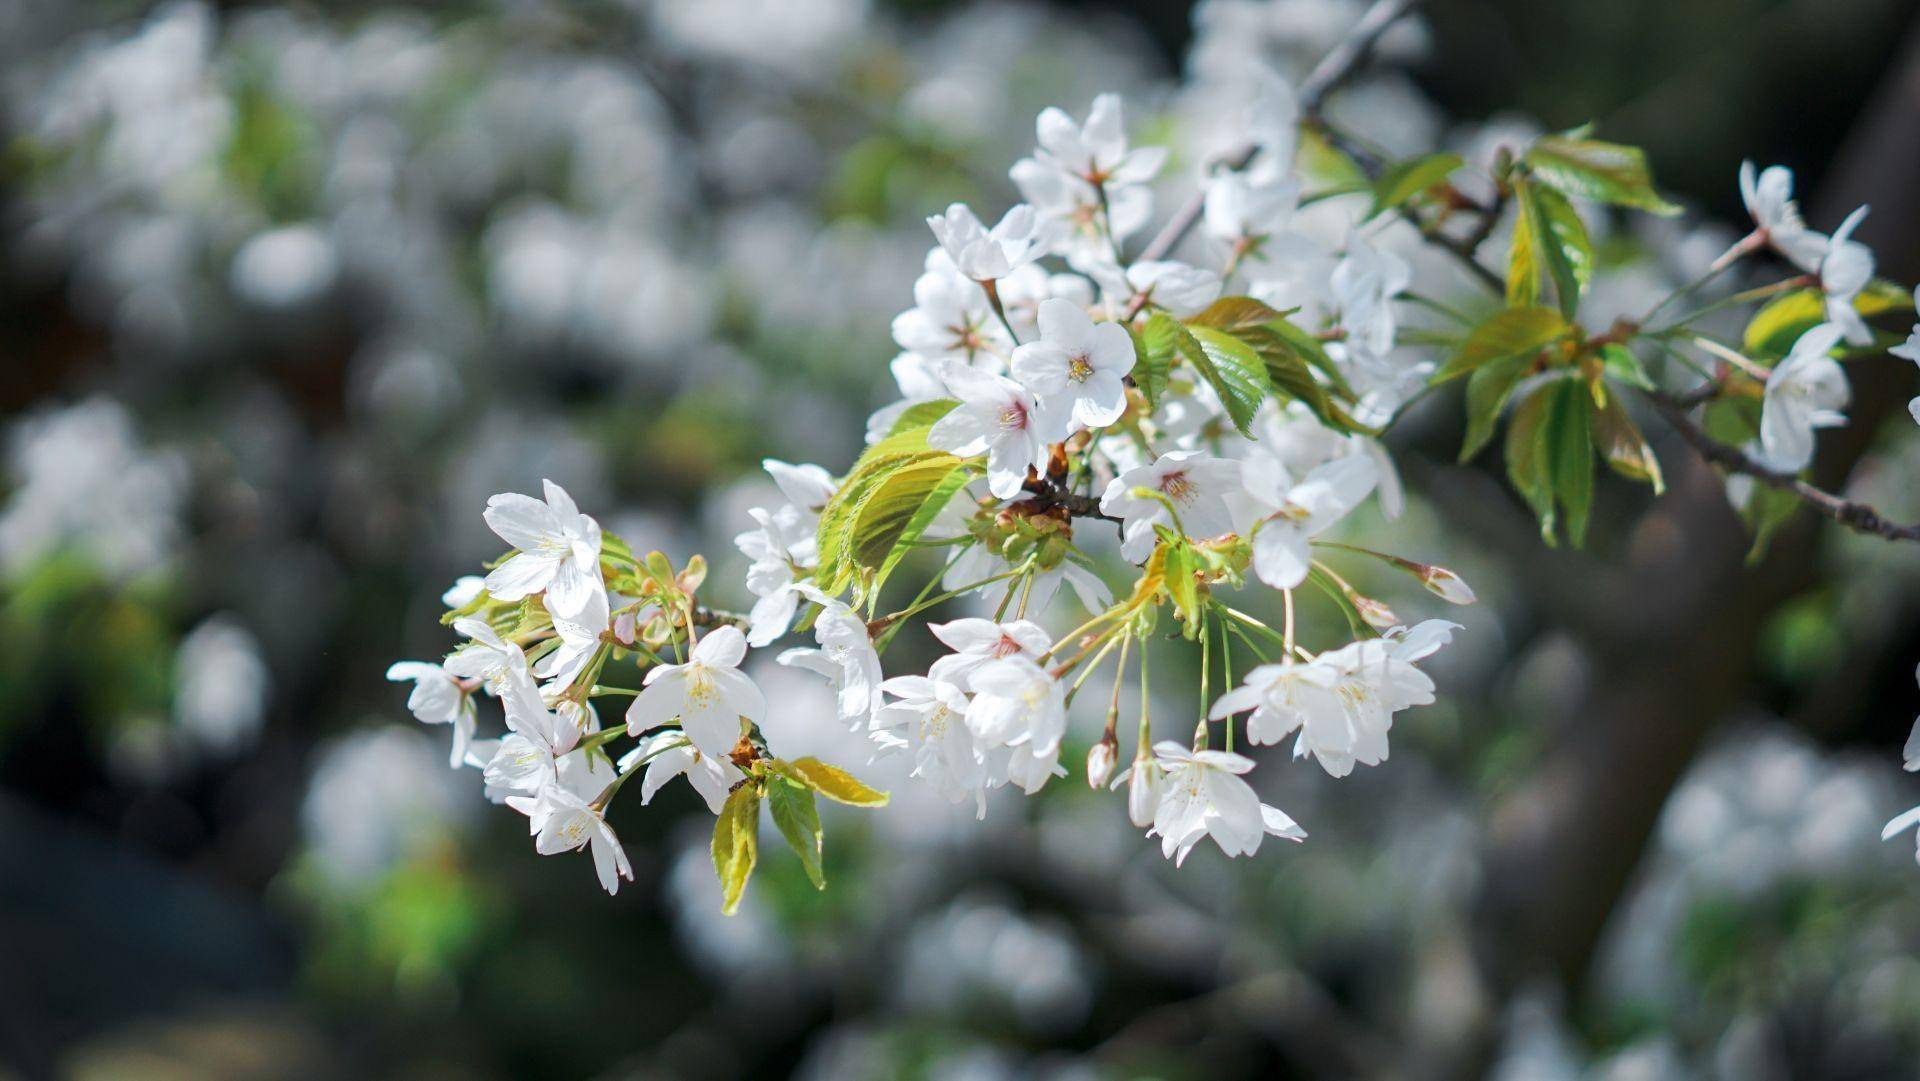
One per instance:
(1853, 515)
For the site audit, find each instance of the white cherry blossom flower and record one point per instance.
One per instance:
(463, 591)
(805, 485)
(1374, 679)
(1077, 366)
(1023, 291)
(1289, 696)
(537, 738)
(979, 642)
(999, 418)
(709, 694)
(1016, 702)
(1291, 514)
(1096, 151)
(562, 819)
(667, 755)
(1805, 392)
(785, 541)
(1845, 270)
(1910, 350)
(558, 549)
(438, 698)
(1365, 282)
(845, 656)
(1080, 228)
(1241, 209)
(926, 719)
(487, 658)
(580, 638)
(1144, 780)
(1181, 289)
(1776, 217)
(1196, 484)
(1202, 795)
(950, 318)
(986, 255)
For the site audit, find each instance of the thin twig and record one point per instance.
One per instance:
(1856, 516)
(1339, 65)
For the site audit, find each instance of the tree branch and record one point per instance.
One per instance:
(1341, 63)
(1857, 516)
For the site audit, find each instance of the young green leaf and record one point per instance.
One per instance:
(1512, 332)
(1623, 366)
(1557, 242)
(1529, 463)
(1619, 441)
(921, 415)
(891, 506)
(798, 819)
(836, 784)
(1154, 349)
(1231, 367)
(1488, 389)
(1600, 171)
(1235, 314)
(1778, 324)
(1181, 566)
(1403, 180)
(736, 844)
(1571, 449)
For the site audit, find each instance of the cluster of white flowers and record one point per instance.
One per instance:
(1054, 376)
(1808, 389)
(1024, 377)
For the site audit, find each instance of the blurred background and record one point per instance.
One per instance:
(287, 290)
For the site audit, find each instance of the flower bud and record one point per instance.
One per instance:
(625, 627)
(1447, 585)
(1100, 761)
(1143, 790)
(1377, 615)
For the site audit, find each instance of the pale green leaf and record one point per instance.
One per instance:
(798, 820)
(736, 844)
(836, 784)
(1512, 332)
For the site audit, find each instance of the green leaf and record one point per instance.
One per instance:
(1571, 448)
(1154, 349)
(1529, 465)
(1235, 314)
(1403, 180)
(936, 501)
(1231, 367)
(836, 784)
(891, 506)
(1513, 332)
(921, 415)
(1600, 171)
(1488, 389)
(798, 819)
(1778, 324)
(1182, 566)
(1621, 445)
(1557, 242)
(1768, 510)
(1523, 265)
(837, 533)
(736, 844)
(1291, 356)
(1623, 366)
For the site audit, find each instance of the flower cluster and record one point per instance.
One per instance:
(1059, 384)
